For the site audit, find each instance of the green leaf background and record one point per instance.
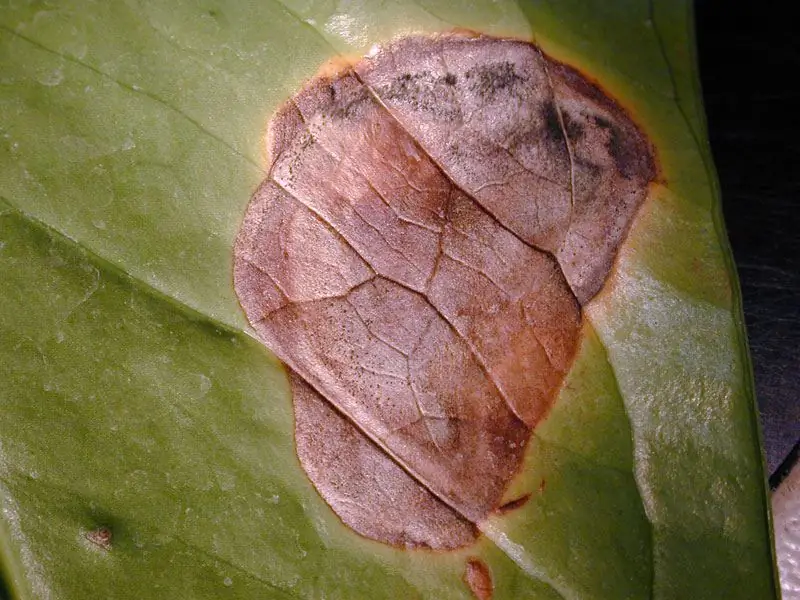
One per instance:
(134, 397)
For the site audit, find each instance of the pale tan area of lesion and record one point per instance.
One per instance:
(542, 149)
(370, 491)
(612, 166)
(418, 257)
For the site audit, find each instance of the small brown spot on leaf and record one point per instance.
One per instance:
(100, 537)
(514, 504)
(434, 218)
(479, 579)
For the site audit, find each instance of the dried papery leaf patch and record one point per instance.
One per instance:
(433, 219)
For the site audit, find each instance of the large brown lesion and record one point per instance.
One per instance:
(433, 220)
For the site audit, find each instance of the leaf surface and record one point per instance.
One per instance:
(433, 218)
(135, 400)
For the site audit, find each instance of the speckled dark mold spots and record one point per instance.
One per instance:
(434, 218)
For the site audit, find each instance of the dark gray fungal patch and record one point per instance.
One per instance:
(424, 91)
(434, 219)
(346, 106)
(488, 80)
(552, 122)
(623, 154)
(573, 128)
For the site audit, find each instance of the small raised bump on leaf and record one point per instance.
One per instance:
(100, 537)
(434, 218)
(479, 579)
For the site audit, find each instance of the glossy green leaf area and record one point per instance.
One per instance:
(133, 396)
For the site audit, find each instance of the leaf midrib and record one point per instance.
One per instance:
(116, 270)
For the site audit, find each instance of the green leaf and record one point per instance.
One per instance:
(134, 398)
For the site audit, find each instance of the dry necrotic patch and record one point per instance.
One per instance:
(433, 220)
